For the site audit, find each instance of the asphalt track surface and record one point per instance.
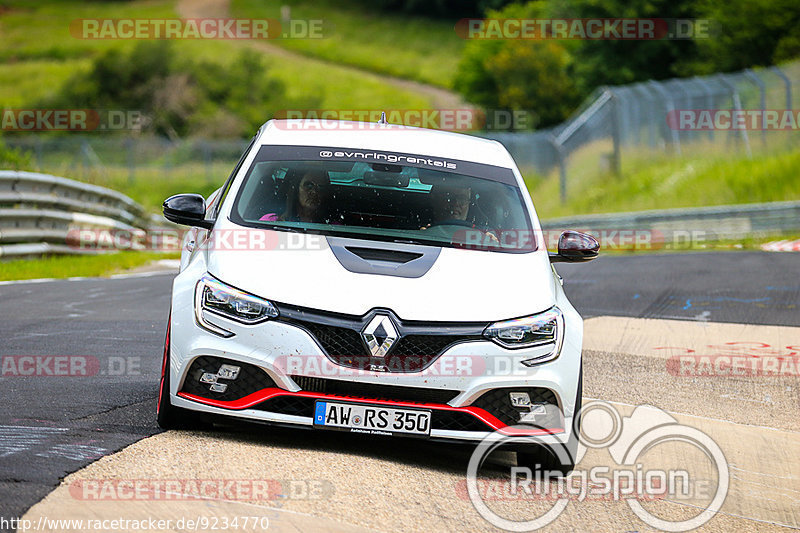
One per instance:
(51, 426)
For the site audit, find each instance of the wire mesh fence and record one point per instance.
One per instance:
(615, 125)
(93, 157)
(743, 112)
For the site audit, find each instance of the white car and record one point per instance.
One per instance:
(375, 279)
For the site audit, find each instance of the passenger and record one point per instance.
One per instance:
(306, 200)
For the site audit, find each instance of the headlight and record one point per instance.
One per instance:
(533, 330)
(213, 296)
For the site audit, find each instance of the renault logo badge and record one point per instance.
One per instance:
(379, 335)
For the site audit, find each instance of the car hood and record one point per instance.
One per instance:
(461, 285)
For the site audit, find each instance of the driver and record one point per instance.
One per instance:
(450, 203)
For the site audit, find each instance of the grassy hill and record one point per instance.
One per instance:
(38, 53)
(662, 181)
(416, 48)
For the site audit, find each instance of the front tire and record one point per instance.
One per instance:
(167, 415)
(542, 458)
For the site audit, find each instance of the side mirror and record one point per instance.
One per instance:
(575, 247)
(187, 209)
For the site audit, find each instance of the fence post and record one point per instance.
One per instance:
(130, 161)
(38, 150)
(788, 83)
(709, 101)
(616, 133)
(651, 122)
(678, 86)
(762, 90)
(669, 105)
(207, 159)
(562, 167)
(85, 158)
(737, 105)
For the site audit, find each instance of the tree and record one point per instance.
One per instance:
(749, 33)
(181, 97)
(437, 8)
(618, 62)
(528, 75)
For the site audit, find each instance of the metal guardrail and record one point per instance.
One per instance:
(28, 229)
(38, 211)
(704, 223)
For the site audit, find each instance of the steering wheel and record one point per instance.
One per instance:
(453, 222)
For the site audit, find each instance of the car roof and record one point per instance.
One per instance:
(385, 137)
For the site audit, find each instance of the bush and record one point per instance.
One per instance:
(533, 76)
(552, 77)
(13, 158)
(179, 98)
(750, 33)
(437, 8)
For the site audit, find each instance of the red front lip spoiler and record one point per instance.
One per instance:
(265, 394)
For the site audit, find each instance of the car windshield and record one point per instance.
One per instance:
(383, 201)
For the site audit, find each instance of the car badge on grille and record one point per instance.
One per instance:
(379, 335)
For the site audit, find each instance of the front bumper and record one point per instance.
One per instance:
(455, 387)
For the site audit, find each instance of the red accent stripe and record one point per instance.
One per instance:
(265, 394)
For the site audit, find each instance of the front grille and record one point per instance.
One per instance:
(498, 403)
(411, 353)
(457, 421)
(250, 379)
(337, 341)
(289, 405)
(423, 345)
(371, 391)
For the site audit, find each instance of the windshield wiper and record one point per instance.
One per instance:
(414, 241)
(292, 229)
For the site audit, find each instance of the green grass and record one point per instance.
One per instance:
(38, 53)
(40, 29)
(150, 187)
(82, 265)
(417, 48)
(23, 83)
(662, 181)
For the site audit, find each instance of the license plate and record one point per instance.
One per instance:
(372, 419)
